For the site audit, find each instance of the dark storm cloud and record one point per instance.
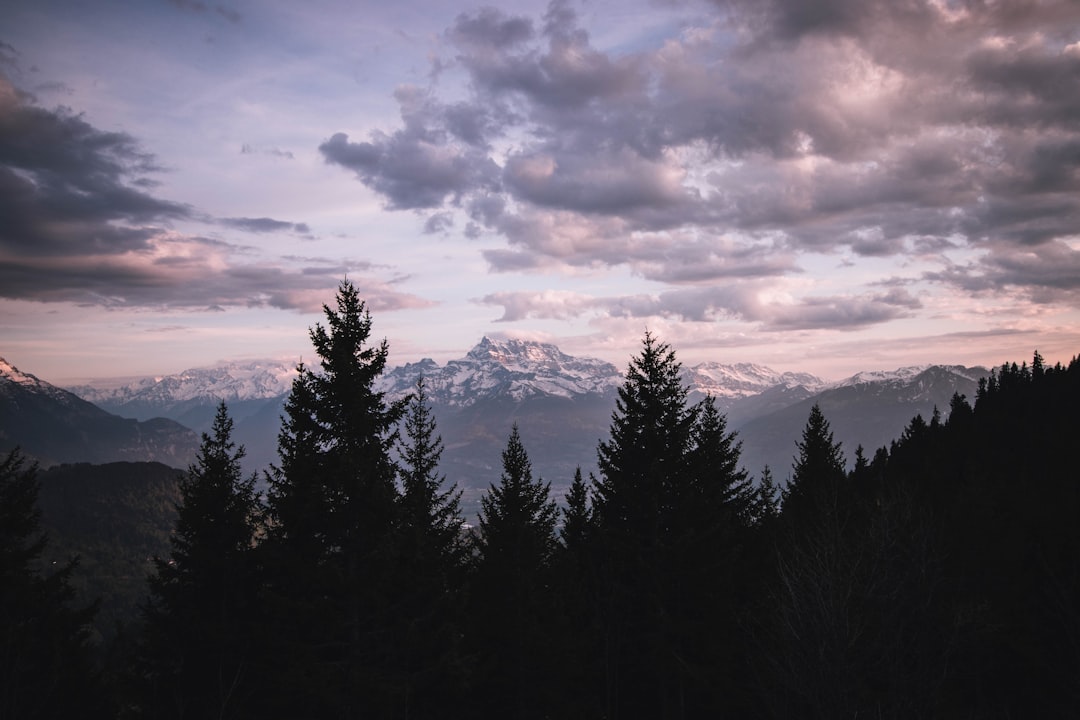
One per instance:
(78, 225)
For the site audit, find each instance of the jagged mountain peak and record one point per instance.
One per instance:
(513, 351)
(508, 368)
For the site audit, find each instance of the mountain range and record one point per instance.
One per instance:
(561, 404)
(54, 426)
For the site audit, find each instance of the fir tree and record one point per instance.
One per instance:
(671, 508)
(333, 510)
(199, 654)
(818, 471)
(577, 516)
(432, 555)
(512, 590)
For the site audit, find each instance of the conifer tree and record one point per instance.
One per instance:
(768, 500)
(512, 590)
(333, 509)
(45, 665)
(428, 591)
(818, 471)
(199, 657)
(671, 504)
(577, 516)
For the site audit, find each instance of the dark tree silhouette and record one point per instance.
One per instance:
(511, 628)
(199, 652)
(333, 512)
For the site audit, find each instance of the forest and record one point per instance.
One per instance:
(939, 577)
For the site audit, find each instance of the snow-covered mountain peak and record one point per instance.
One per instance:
(742, 379)
(508, 368)
(13, 374)
(517, 353)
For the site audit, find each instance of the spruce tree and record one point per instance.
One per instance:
(45, 664)
(333, 510)
(577, 516)
(198, 655)
(817, 472)
(512, 591)
(432, 553)
(671, 507)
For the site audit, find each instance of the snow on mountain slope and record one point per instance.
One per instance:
(233, 381)
(517, 369)
(742, 379)
(11, 376)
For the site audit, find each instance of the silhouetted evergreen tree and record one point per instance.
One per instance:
(428, 587)
(333, 508)
(671, 508)
(511, 592)
(198, 657)
(578, 608)
(767, 508)
(46, 671)
(817, 473)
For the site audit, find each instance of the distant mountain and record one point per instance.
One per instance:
(53, 426)
(191, 396)
(517, 370)
(562, 405)
(869, 409)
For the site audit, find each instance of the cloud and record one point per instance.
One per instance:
(201, 8)
(732, 301)
(265, 225)
(783, 129)
(66, 187)
(1044, 273)
(248, 149)
(78, 225)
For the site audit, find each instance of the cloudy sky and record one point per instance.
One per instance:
(833, 186)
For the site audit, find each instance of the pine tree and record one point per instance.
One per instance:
(512, 590)
(432, 554)
(45, 666)
(199, 656)
(333, 509)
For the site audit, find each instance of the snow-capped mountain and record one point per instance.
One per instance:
(515, 369)
(250, 380)
(53, 425)
(13, 380)
(562, 404)
(730, 383)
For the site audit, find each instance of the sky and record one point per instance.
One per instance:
(827, 187)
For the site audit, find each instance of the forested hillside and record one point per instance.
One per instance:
(938, 577)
